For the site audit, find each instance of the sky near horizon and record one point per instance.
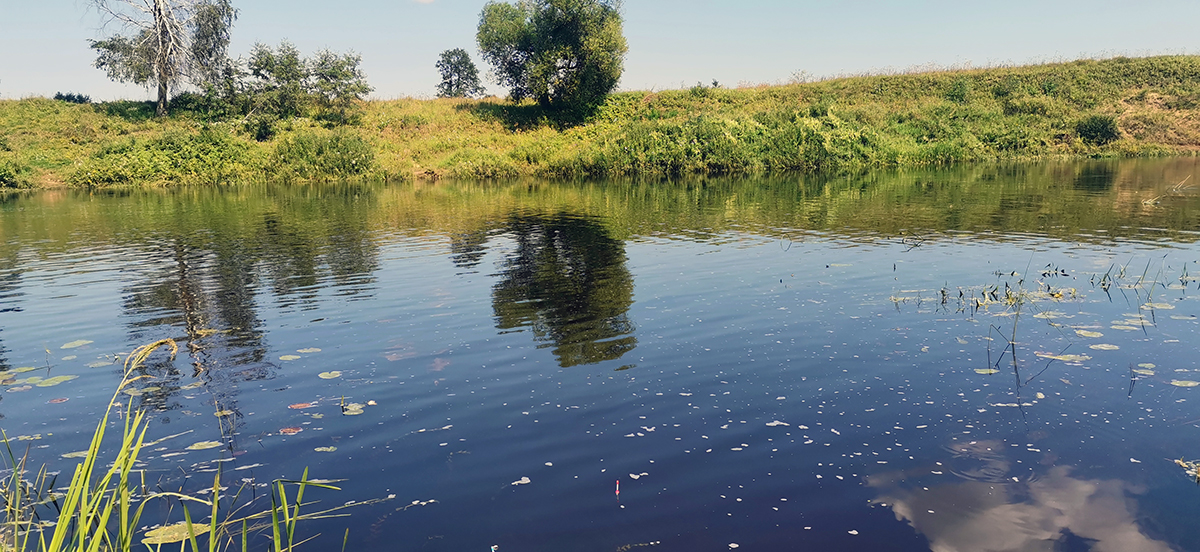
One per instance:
(672, 43)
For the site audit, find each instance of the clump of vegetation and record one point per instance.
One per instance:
(210, 156)
(1098, 129)
(13, 174)
(71, 97)
(323, 154)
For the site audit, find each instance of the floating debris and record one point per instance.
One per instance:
(309, 350)
(776, 423)
(204, 445)
(521, 481)
(1104, 347)
(1185, 383)
(986, 371)
(290, 430)
(290, 357)
(325, 449)
(1088, 333)
(77, 343)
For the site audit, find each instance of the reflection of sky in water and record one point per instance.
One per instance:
(771, 386)
(1054, 511)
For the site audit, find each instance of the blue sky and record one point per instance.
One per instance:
(672, 43)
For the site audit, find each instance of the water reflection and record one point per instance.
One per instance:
(987, 510)
(566, 280)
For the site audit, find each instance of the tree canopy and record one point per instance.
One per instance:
(171, 41)
(566, 54)
(460, 78)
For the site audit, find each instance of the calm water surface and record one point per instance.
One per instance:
(987, 358)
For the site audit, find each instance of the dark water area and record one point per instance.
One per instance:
(984, 358)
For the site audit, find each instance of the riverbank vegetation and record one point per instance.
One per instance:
(1120, 107)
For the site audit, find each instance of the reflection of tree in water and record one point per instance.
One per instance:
(567, 281)
(208, 292)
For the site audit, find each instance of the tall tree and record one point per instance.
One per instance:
(170, 41)
(566, 54)
(460, 78)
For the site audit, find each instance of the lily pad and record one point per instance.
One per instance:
(1158, 306)
(1147, 365)
(76, 343)
(1088, 333)
(986, 371)
(1104, 347)
(309, 350)
(99, 363)
(168, 534)
(330, 375)
(204, 445)
(1143, 372)
(1125, 328)
(1066, 358)
(290, 357)
(23, 369)
(1185, 383)
(325, 449)
(55, 381)
(76, 454)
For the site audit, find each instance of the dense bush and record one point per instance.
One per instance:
(1098, 129)
(71, 97)
(323, 154)
(13, 174)
(211, 156)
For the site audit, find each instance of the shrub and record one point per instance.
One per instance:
(13, 174)
(209, 156)
(1098, 129)
(315, 154)
(71, 97)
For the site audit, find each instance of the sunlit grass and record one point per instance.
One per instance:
(893, 120)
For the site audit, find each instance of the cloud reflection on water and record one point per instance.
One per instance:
(1054, 512)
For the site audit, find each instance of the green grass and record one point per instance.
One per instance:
(1119, 107)
(102, 507)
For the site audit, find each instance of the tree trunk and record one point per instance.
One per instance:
(163, 57)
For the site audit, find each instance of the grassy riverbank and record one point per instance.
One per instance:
(1121, 107)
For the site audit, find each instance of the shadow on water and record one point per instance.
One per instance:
(567, 282)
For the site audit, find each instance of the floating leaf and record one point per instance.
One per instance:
(1184, 383)
(776, 423)
(1143, 372)
(223, 413)
(1066, 358)
(193, 385)
(1104, 347)
(325, 449)
(309, 350)
(1159, 306)
(1182, 317)
(204, 445)
(76, 343)
(986, 371)
(1089, 333)
(19, 389)
(69, 357)
(290, 430)
(301, 406)
(1147, 365)
(290, 357)
(23, 369)
(99, 363)
(1046, 315)
(330, 375)
(133, 392)
(77, 454)
(59, 400)
(51, 382)
(1125, 328)
(167, 534)
(1040, 396)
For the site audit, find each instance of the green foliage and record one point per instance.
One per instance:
(323, 154)
(211, 155)
(71, 97)
(566, 54)
(13, 174)
(1098, 129)
(176, 41)
(281, 84)
(460, 77)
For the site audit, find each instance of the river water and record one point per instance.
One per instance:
(983, 358)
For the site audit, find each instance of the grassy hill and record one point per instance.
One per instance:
(1121, 107)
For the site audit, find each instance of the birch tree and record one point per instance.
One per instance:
(165, 42)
